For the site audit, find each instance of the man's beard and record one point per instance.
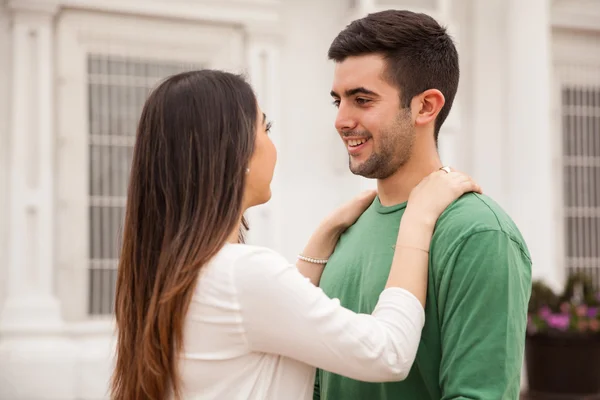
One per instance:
(394, 150)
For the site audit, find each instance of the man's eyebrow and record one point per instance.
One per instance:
(352, 92)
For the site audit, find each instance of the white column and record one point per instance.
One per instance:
(31, 165)
(529, 161)
(451, 136)
(485, 79)
(4, 110)
(35, 362)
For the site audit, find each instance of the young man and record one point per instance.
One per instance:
(395, 78)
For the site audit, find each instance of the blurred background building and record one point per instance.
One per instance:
(75, 73)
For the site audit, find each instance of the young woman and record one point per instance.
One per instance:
(201, 315)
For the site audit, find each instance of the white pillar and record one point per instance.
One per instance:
(485, 79)
(451, 136)
(530, 140)
(4, 110)
(528, 161)
(30, 256)
(35, 362)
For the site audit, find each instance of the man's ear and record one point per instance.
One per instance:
(427, 106)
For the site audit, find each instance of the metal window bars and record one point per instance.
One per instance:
(117, 89)
(580, 105)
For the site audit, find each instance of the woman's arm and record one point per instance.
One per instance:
(283, 313)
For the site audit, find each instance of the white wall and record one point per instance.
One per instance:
(312, 159)
(483, 83)
(5, 66)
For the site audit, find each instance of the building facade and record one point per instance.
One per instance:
(74, 75)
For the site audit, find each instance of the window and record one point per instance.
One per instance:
(117, 89)
(105, 66)
(581, 175)
(576, 118)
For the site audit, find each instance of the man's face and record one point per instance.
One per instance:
(378, 134)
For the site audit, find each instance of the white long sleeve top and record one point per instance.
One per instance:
(256, 329)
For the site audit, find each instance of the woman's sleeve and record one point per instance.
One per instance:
(283, 313)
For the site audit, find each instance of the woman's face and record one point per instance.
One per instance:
(262, 165)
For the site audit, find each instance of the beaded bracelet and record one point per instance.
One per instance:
(312, 260)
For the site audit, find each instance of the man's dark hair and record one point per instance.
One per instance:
(420, 54)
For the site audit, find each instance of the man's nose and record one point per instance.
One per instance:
(344, 120)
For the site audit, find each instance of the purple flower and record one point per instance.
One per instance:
(592, 312)
(559, 321)
(565, 308)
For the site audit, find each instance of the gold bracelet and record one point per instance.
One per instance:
(414, 248)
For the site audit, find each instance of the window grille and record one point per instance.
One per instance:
(117, 89)
(580, 107)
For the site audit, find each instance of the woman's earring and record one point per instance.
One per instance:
(247, 170)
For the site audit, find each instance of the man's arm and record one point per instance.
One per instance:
(484, 292)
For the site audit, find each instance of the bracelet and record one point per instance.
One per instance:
(414, 248)
(313, 260)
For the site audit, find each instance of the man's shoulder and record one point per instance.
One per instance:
(472, 214)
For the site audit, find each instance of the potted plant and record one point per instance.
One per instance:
(563, 339)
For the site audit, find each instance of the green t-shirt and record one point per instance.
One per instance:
(472, 343)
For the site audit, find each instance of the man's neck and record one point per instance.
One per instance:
(396, 188)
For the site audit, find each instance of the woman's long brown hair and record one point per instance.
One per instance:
(194, 141)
